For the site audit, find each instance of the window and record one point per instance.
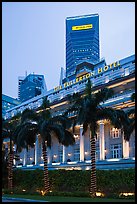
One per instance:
(97, 155)
(126, 71)
(107, 79)
(60, 153)
(115, 133)
(116, 151)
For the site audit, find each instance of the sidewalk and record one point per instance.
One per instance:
(22, 199)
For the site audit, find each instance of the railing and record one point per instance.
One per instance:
(119, 97)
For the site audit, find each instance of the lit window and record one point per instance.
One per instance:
(115, 133)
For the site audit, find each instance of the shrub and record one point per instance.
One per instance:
(75, 182)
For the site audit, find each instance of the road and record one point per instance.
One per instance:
(11, 200)
(5, 199)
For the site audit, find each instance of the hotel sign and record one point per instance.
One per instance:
(82, 27)
(88, 75)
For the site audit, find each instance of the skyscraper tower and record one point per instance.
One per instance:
(20, 79)
(33, 85)
(82, 41)
(62, 75)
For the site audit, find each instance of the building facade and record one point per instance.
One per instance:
(82, 42)
(8, 102)
(31, 86)
(112, 151)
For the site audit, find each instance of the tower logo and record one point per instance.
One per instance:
(82, 27)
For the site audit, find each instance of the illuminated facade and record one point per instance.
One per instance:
(112, 151)
(83, 63)
(82, 42)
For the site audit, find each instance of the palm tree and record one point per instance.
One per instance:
(4, 156)
(8, 127)
(133, 97)
(129, 121)
(40, 122)
(89, 111)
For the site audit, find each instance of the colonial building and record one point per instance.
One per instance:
(112, 151)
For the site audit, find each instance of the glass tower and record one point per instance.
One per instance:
(33, 85)
(82, 41)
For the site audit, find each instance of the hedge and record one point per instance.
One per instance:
(110, 182)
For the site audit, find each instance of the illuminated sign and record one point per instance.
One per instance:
(82, 27)
(86, 76)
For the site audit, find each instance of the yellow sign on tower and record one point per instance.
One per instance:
(82, 27)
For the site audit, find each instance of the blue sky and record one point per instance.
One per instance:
(33, 37)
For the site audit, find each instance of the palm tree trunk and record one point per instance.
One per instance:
(46, 176)
(10, 168)
(93, 166)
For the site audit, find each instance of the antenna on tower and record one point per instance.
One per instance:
(61, 76)
(26, 73)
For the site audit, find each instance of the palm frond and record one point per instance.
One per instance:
(25, 134)
(133, 97)
(62, 120)
(49, 129)
(28, 114)
(74, 122)
(88, 88)
(58, 131)
(85, 127)
(48, 139)
(69, 139)
(103, 95)
(45, 103)
(74, 97)
(44, 115)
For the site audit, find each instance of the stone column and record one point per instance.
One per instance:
(25, 157)
(6, 149)
(125, 148)
(101, 140)
(81, 145)
(64, 154)
(49, 155)
(36, 150)
(14, 150)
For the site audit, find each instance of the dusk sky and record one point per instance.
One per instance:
(34, 37)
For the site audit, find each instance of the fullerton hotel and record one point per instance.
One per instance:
(83, 63)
